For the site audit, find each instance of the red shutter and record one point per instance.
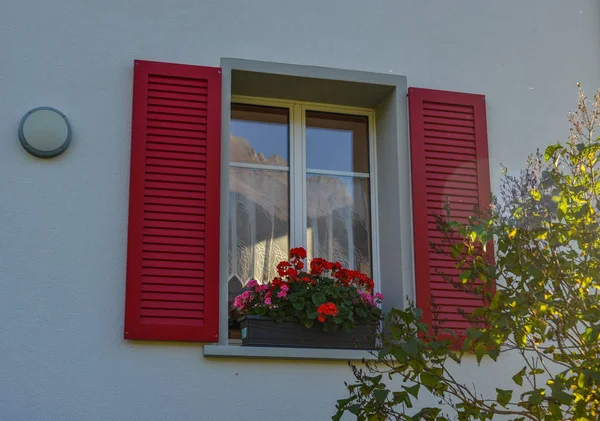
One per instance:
(449, 159)
(173, 245)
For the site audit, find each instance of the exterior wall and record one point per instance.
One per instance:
(63, 229)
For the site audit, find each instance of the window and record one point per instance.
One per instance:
(300, 175)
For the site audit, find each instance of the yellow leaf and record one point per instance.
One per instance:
(512, 233)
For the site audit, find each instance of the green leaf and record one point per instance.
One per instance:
(381, 395)
(410, 347)
(504, 396)
(465, 276)
(318, 298)
(428, 380)
(550, 150)
(536, 396)
(555, 411)
(480, 351)
(562, 397)
(413, 390)
(518, 378)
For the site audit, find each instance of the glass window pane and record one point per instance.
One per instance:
(258, 223)
(337, 142)
(259, 135)
(339, 220)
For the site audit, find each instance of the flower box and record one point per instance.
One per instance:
(323, 305)
(267, 332)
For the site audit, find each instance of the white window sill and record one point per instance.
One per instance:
(233, 351)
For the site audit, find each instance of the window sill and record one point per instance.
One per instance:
(232, 351)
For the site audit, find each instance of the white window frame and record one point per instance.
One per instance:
(297, 167)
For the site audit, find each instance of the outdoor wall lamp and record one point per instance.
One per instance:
(45, 132)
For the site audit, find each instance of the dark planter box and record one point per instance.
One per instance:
(263, 331)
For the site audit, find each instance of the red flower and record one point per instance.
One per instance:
(298, 252)
(327, 309)
(282, 268)
(317, 266)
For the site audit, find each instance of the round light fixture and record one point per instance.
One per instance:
(45, 132)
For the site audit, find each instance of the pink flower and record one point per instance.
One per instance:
(378, 296)
(253, 283)
(366, 297)
(246, 295)
(283, 292)
(268, 301)
(239, 303)
(262, 288)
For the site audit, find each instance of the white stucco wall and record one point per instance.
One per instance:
(63, 222)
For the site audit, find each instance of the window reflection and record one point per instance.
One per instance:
(258, 197)
(259, 135)
(337, 142)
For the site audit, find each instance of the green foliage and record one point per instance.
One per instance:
(546, 306)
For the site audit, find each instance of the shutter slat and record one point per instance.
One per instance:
(173, 273)
(433, 112)
(437, 133)
(172, 296)
(171, 305)
(190, 193)
(176, 125)
(173, 248)
(451, 122)
(175, 209)
(179, 225)
(193, 165)
(178, 103)
(174, 111)
(173, 87)
(169, 232)
(172, 277)
(178, 95)
(182, 118)
(175, 132)
(174, 80)
(166, 146)
(445, 128)
(175, 178)
(163, 283)
(179, 171)
(449, 161)
(462, 150)
(173, 313)
(173, 288)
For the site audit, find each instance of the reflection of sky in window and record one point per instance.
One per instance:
(329, 149)
(267, 138)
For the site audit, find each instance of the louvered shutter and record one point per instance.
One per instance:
(449, 160)
(173, 238)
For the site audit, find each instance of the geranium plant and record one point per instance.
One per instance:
(325, 293)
